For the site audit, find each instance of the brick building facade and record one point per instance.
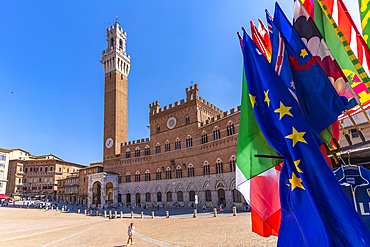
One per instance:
(191, 150)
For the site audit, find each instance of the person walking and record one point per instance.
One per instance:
(130, 232)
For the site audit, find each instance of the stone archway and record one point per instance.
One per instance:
(96, 193)
(221, 196)
(109, 193)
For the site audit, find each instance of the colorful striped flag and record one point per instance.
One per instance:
(365, 15)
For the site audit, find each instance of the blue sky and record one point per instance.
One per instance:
(50, 59)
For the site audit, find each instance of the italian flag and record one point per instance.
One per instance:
(257, 178)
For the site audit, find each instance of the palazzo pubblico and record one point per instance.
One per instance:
(191, 150)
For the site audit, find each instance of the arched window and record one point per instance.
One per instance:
(111, 42)
(169, 196)
(177, 144)
(40, 169)
(168, 173)
(159, 174)
(219, 167)
(206, 168)
(178, 172)
(192, 195)
(237, 196)
(159, 196)
(128, 177)
(216, 134)
(189, 142)
(46, 169)
(167, 146)
(147, 150)
(187, 120)
(158, 149)
(147, 175)
(120, 44)
(191, 170)
(180, 196)
(204, 137)
(137, 152)
(208, 196)
(230, 129)
(128, 153)
(137, 176)
(148, 197)
(232, 164)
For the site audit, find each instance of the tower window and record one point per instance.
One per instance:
(158, 129)
(187, 120)
(111, 42)
(120, 44)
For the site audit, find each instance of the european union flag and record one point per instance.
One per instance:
(317, 97)
(315, 209)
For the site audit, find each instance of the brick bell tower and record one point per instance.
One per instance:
(116, 64)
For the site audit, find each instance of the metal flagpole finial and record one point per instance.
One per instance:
(116, 18)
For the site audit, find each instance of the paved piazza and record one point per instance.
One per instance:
(35, 227)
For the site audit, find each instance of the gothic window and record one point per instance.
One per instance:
(206, 168)
(159, 174)
(216, 134)
(177, 144)
(232, 164)
(128, 154)
(230, 129)
(204, 138)
(192, 195)
(187, 120)
(167, 147)
(137, 176)
(158, 129)
(147, 175)
(147, 197)
(159, 196)
(169, 196)
(147, 150)
(189, 142)
(158, 149)
(191, 170)
(219, 167)
(178, 172)
(180, 196)
(237, 197)
(208, 196)
(168, 173)
(128, 177)
(137, 152)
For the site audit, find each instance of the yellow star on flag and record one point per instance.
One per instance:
(296, 182)
(283, 110)
(253, 100)
(267, 98)
(296, 136)
(296, 163)
(303, 53)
